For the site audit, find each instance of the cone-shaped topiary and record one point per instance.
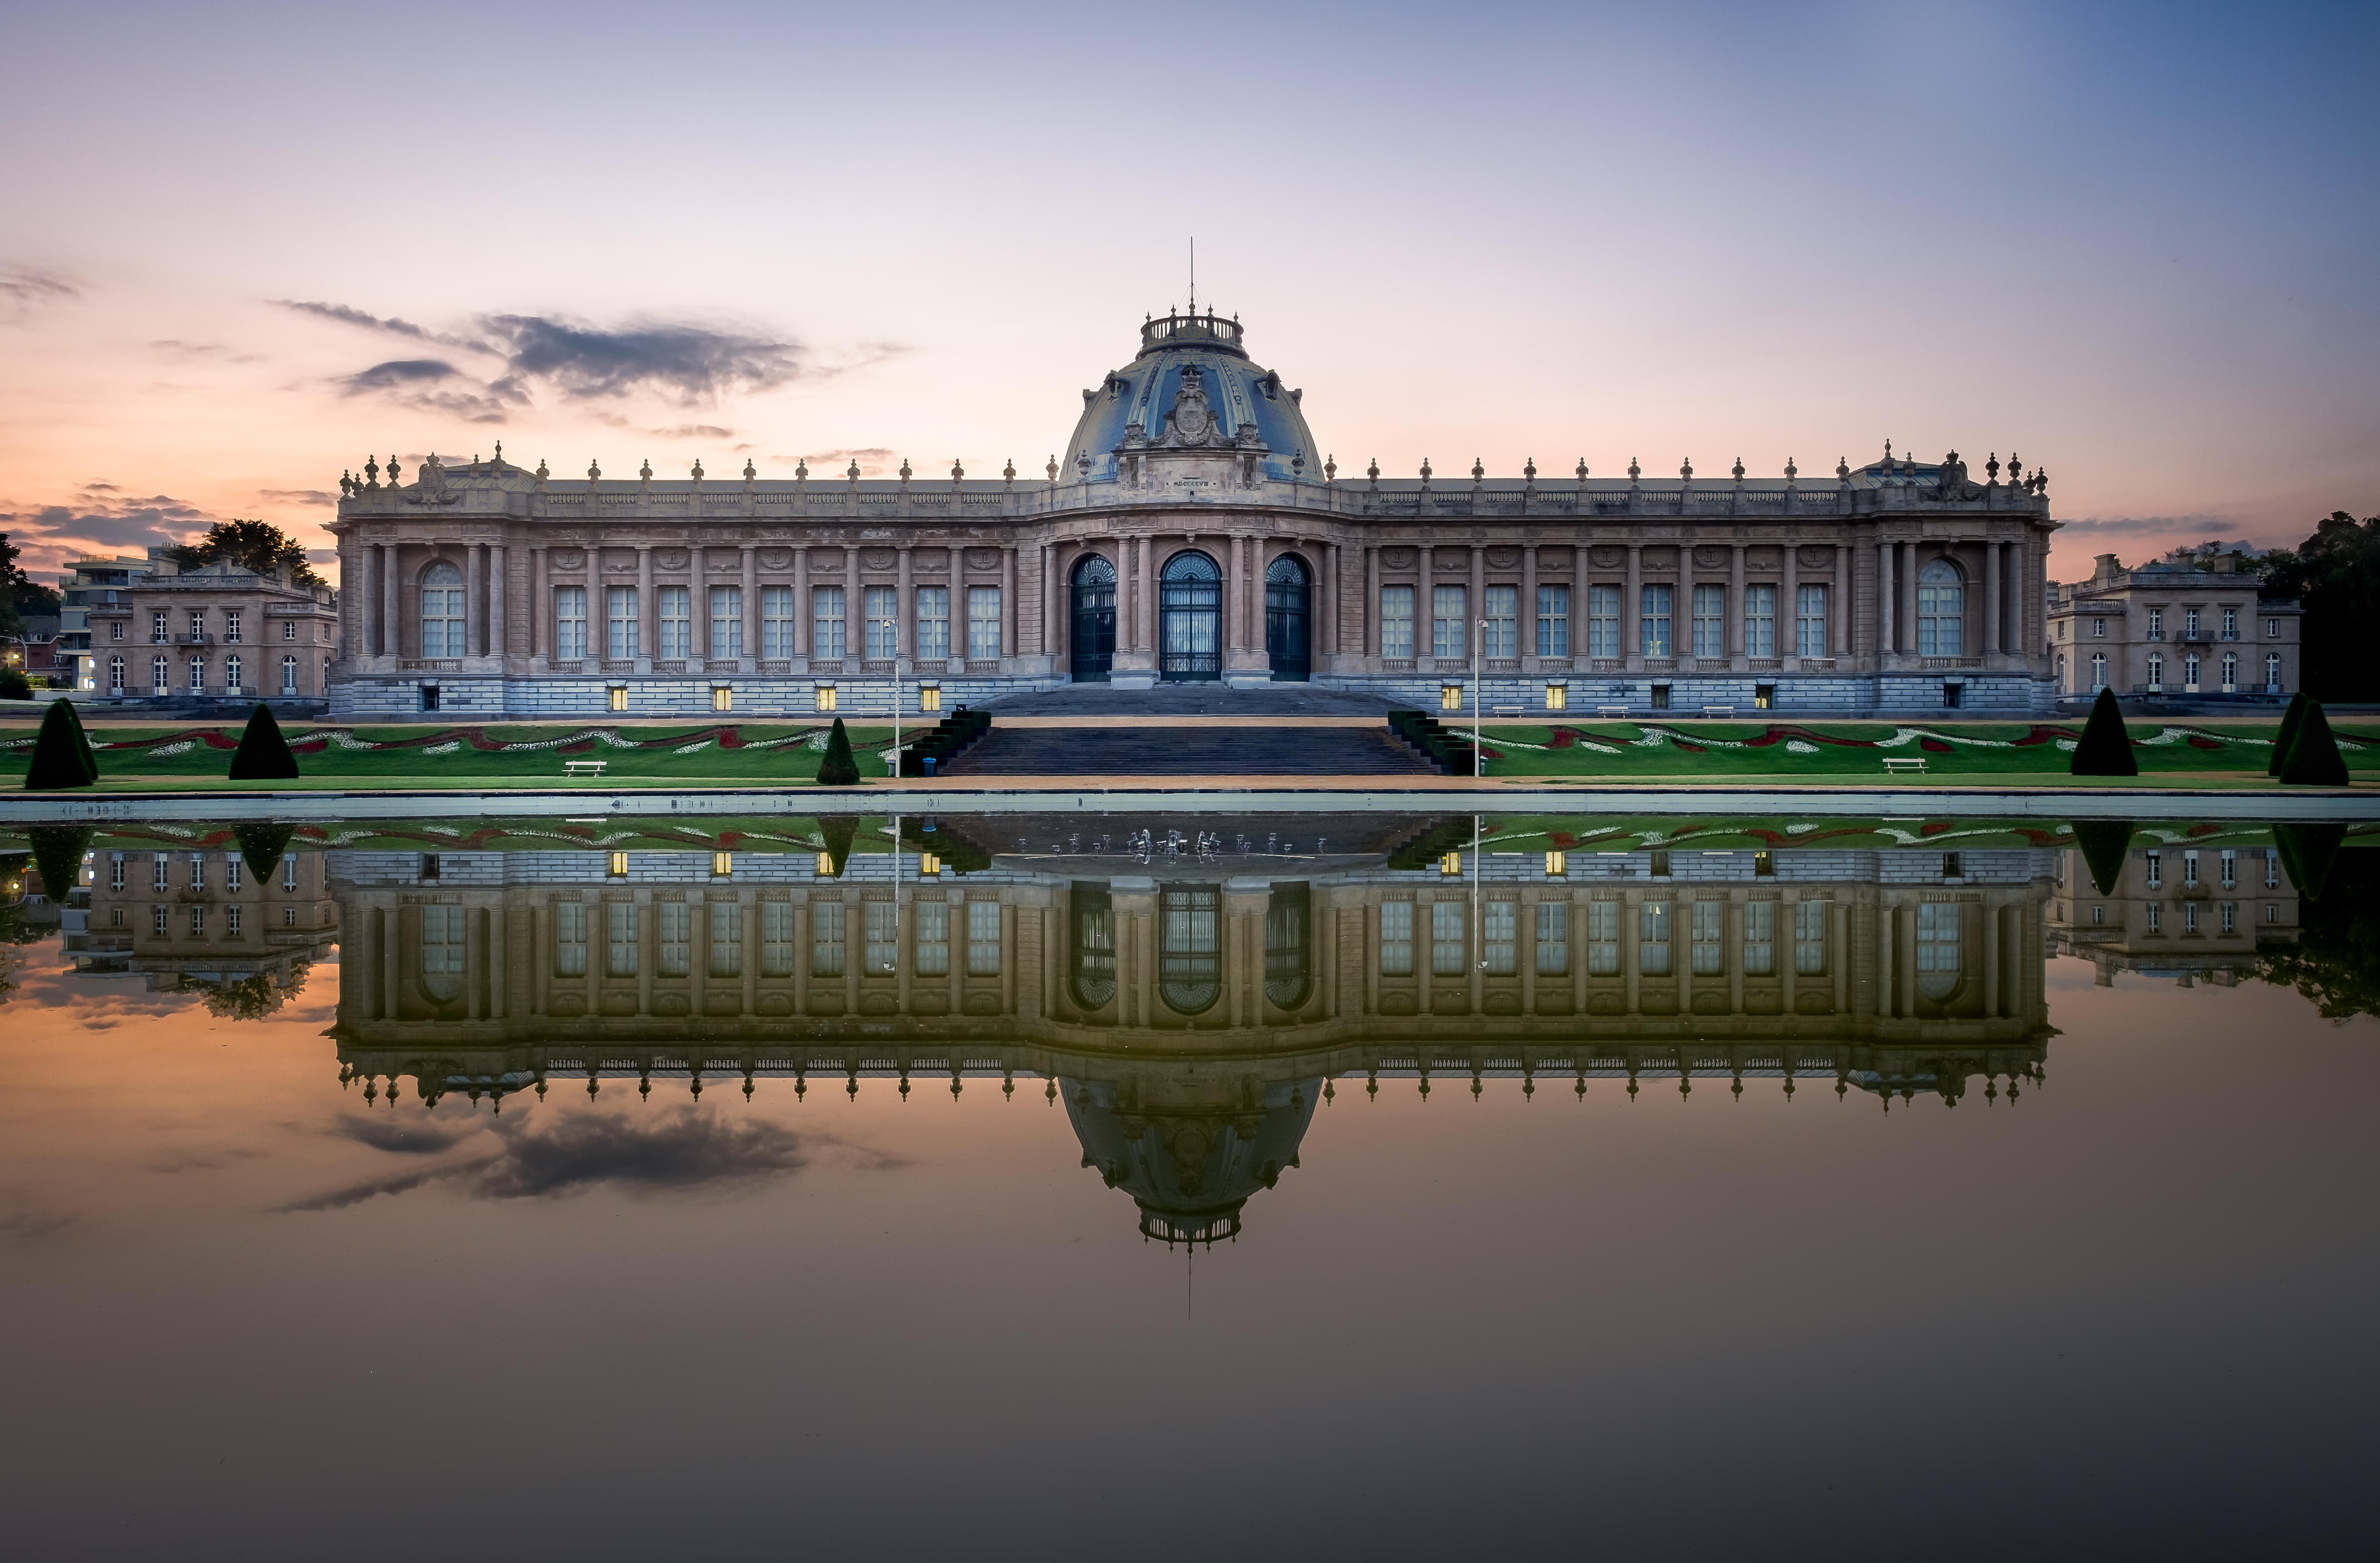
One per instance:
(2313, 759)
(57, 852)
(2307, 853)
(2104, 843)
(263, 754)
(2106, 747)
(2291, 719)
(838, 831)
(838, 770)
(62, 756)
(261, 846)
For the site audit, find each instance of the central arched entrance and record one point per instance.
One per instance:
(1190, 604)
(1095, 621)
(1289, 619)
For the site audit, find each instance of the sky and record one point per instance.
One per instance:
(242, 248)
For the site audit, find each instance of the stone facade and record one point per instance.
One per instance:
(1190, 534)
(220, 631)
(2173, 630)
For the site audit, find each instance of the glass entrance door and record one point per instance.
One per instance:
(1095, 621)
(1289, 628)
(1190, 598)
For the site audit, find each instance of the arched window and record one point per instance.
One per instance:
(2231, 674)
(1190, 948)
(1289, 640)
(160, 676)
(198, 675)
(289, 675)
(1091, 912)
(2272, 672)
(1289, 959)
(441, 611)
(232, 671)
(1190, 599)
(2190, 675)
(1094, 631)
(2156, 672)
(1941, 609)
(116, 675)
(2098, 671)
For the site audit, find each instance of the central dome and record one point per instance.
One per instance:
(1240, 392)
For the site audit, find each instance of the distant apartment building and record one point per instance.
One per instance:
(221, 630)
(90, 583)
(2192, 914)
(2180, 627)
(179, 917)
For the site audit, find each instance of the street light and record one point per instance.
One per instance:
(892, 642)
(1479, 644)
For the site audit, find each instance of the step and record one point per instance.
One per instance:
(1188, 751)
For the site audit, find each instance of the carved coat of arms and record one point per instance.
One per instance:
(1190, 421)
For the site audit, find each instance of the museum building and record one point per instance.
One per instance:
(1189, 533)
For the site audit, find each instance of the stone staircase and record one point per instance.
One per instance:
(1189, 751)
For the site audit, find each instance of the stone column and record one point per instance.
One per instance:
(1789, 608)
(1904, 584)
(750, 582)
(904, 618)
(1631, 608)
(1008, 601)
(1991, 597)
(499, 591)
(1144, 616)
(1327, 599)
(359, 602)
(1884, 598)
(541, 606)
(1368, 614)
(648, 619)
(1839, 603)
(391, 624)
(802, 600)
(1050, 609)
(1528, 625)
(1738, 609)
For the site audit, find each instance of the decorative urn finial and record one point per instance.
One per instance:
(1687, 468)
(646, 472)
(1634, 471)
(697, 469)
(593, 472)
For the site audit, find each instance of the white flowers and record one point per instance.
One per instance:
(1800, 747)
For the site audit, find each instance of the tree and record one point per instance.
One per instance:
(2313, 759)
(259, 547)
(2290, 720)
(2106, 747)
(2336, 960)
(57, 852)
(263, 754)
(2335, 574)
(838, 831)
(62, 756)
(14, 582)
(261, 846)
(2104, 843)
(838, 770)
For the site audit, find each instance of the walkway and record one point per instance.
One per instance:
(1207, 750)
(1189, 699)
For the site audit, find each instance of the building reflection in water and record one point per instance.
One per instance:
(1191, 1005)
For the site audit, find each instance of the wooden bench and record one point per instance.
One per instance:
(1719, 711)
(575, 768)
(1895, 765)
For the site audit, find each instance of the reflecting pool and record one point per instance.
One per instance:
(1134, 1185)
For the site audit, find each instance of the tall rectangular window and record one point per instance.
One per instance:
(1553, 938)
(620, 957)
(882, 928)
(569, 623)
(1502, 636)
(158, 633)
(1760, 621)
(983, 939)
(2190, 625)
(678, 623)
(776, 938)
(1553, 621)
(1397, 934)
(1760, 938)
(1397, 623)
(570, 939)
(231, 624)
(934, 623)
(933, 938)
(619, 622)
(983, 624)
(159, 867)
(1446, 940)
(1654, 621)
(2230, 623)
(826, 938)
(826, 623)
(1653, 939)
(1710, 934)
(727, 920)
(883, 604)
(1603, 939)
(677, 920)
(1449, 635)
(1500, 938)
(726, 621)
(1810, 938)
(1710, 620)
(1810, 621)
(2157, 624)
(776, 622)
(1603, 621)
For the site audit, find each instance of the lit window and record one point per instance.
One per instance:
(617, 868)
(722, 698)
(1557, 865)
(929, 698)
(824, 866)
(825, 696)
(722, 865)
(1557, 698)
(1450, 696)
(928, 866)
(619, 697)
(1451, 865)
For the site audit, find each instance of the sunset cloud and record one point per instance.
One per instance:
(25, 292)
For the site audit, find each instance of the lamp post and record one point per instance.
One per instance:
(893, 641)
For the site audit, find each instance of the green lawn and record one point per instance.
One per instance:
(1837, 752)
